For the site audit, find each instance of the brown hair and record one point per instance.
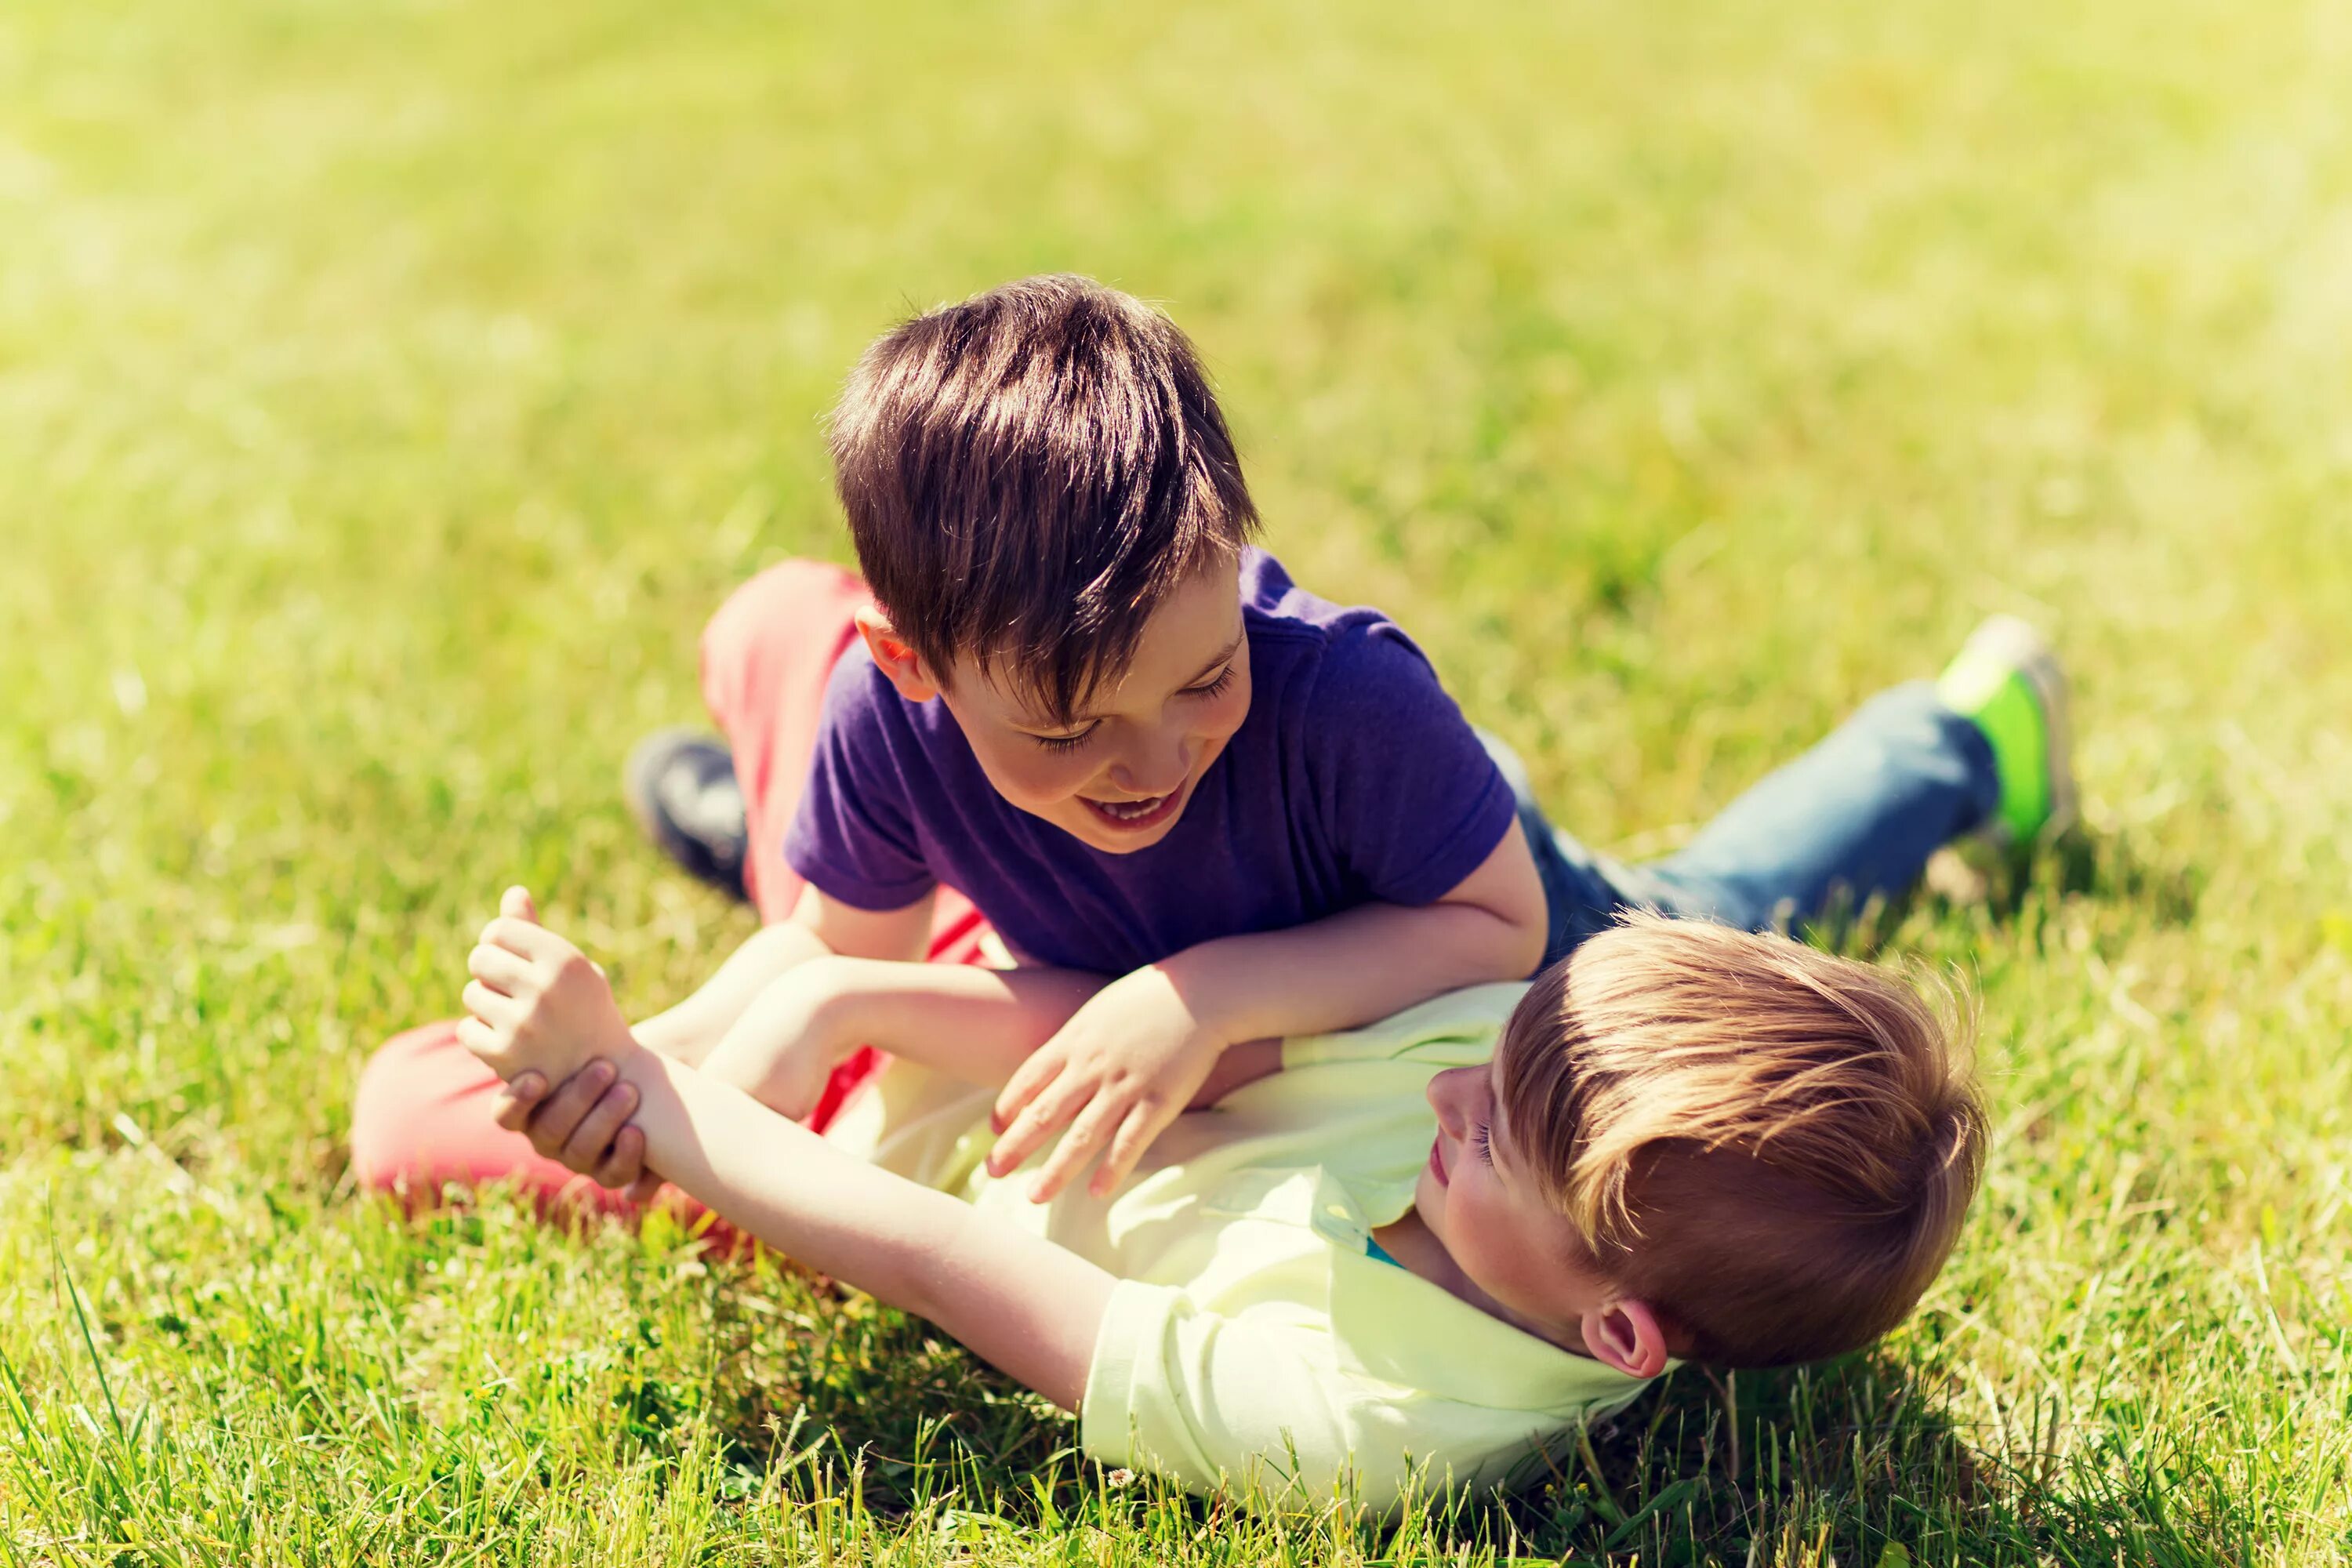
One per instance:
(1772, 1146)
(1028, 474)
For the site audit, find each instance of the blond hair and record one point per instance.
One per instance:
(1770, 1145)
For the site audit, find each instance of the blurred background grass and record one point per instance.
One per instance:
(388, 391)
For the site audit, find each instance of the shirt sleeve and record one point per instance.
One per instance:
(853, 835)
(1415, 803)
(1253, 1408)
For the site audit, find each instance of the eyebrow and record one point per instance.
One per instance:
(1221, 655)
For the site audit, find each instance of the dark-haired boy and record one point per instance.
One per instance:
(1201, 805)
(1083, 702)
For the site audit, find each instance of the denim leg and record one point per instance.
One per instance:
(1854, 818)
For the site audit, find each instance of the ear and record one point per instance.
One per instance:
(1628, 1336)
(896, 658)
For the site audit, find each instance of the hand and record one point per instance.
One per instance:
(1118, 1073)
(536, 1001)
(583, 1126)
(783, 1050)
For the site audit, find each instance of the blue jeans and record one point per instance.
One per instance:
(1853, 818)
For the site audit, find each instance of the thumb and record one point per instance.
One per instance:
(516, 905)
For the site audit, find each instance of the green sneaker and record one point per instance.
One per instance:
(2007, 678)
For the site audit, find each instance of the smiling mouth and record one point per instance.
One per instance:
(1134, 815)
(1437, 1161)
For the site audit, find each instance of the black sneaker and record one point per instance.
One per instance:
(680, 787)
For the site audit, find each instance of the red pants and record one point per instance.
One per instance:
(422, 1116)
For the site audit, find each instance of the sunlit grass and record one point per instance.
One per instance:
(387, 392)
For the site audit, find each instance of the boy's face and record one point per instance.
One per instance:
(1119, 775)
(1478, 1197)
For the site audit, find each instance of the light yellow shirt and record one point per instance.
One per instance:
(1252, 1342)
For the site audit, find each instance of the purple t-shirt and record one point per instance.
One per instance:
(1354, 778)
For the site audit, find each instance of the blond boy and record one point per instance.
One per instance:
(1418, 1252)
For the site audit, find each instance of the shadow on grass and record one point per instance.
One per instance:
(2013, 891)
(1851, 1461)
(2114, 867)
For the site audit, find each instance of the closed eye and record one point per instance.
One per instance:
(1211, 688)
(1484, 1139)
(1207, 688)
(1064, 742)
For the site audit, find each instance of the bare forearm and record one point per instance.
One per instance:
(1370, 961)
(689, 1030)
(973, 1023)
(818, 927)
(1018, 1300)
(977, 1025)
(1348, 969)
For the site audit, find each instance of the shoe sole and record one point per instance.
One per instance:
(687, 853)
(637, 775)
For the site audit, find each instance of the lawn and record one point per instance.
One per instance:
(388, 391)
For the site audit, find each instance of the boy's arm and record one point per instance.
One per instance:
(973, 1023)
(538, 1008)
(1019, 1301)
(819, 926)
(1134, 1055)
(1366, 963)
(969, 1023)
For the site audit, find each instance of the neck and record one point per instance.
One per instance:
(1413, 1243)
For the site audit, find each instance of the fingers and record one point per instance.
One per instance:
(481, 1040)
(591, 1144)
(1147, 1121)
(515, 904)
(645, 1187)
(1028, 1082)
(514, 1103)
(624, 1167)
(1029, 1130)
(492, 1007)
(550, 1126)
(1087, 1135)
(499, 968)
(535, 942)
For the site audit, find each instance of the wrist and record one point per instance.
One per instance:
(631, 1056)
(1197, 981)
(631, 1059)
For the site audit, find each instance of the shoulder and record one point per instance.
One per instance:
(871, 739)
(1346, 655)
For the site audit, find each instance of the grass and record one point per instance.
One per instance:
(387, 391)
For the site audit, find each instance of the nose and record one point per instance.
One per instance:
(1155, 766)
(1448, 1099)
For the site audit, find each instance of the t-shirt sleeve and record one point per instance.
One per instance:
(1255, 1408)
(854, 836)
(1415, 803)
